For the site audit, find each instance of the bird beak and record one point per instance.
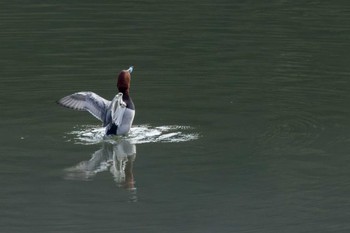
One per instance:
(131, 68)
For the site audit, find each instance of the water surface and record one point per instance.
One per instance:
(256, 92)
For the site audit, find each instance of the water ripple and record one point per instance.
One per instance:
(302, 130)
(139, 134)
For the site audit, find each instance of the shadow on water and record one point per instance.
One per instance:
(117, 154)
(117, 158)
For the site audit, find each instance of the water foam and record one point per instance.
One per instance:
(139, 134)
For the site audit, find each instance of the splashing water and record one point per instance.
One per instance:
(139, 134)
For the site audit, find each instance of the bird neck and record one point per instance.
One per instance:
(126, 94)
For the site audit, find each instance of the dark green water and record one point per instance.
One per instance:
(263, 84)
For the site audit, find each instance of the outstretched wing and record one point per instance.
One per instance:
(87, 101)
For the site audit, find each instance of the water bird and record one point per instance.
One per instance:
(116, 115)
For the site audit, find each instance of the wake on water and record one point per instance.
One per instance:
(139, 134)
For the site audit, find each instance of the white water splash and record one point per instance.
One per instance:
(139, 134)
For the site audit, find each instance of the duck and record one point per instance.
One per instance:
(117, 115)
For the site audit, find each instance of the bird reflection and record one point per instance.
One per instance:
(117, 158)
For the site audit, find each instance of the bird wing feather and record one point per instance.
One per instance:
(87, 101)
